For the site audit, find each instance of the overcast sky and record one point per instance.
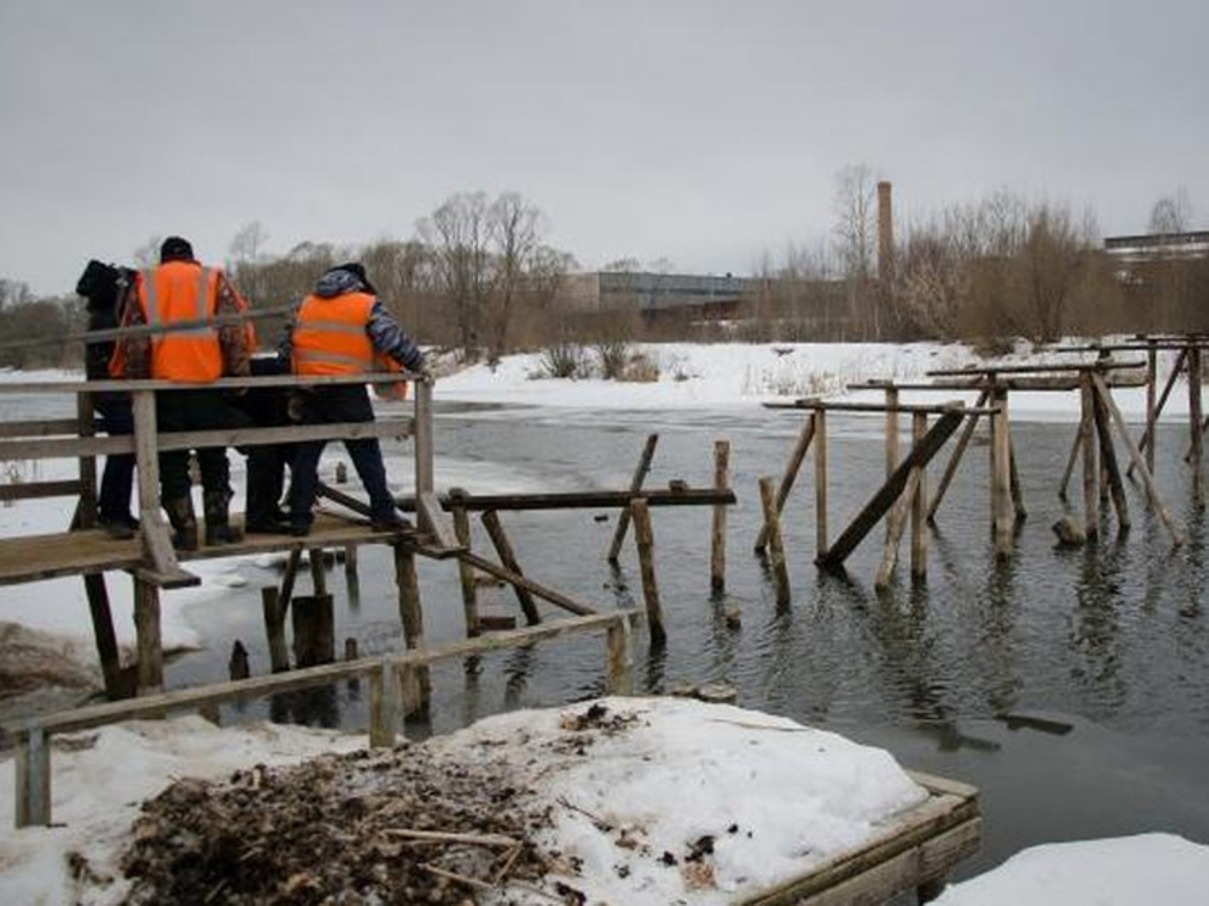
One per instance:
(709, 133)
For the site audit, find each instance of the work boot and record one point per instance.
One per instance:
(218, 526)
(184, 522)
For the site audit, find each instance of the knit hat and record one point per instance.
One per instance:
(176, 249)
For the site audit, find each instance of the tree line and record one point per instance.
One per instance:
(478, 276)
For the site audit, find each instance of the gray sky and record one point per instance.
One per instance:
(706, 132)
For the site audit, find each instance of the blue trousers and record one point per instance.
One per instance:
(332, 405)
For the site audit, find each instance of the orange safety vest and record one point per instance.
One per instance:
(182, 291)
(330, 337)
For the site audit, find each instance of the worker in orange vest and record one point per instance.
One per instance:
(183, 290)
(342, 328)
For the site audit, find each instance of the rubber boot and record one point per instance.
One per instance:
(218, 526)
(184, 522)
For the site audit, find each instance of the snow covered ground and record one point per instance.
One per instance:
(98, 785)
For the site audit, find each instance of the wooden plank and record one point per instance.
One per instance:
(920, 454)
(1091, 518)
(1152, 380)
(32, 777)
(41, 427)
(72, 447)
(917, 498)
(34, 557)
(623, 519)
(423, 439)
(820, 483)
(102, 632)
(1195, 413)
(223, 383)
(37, 489)
(841, 877)
(433, 523)
(1108, 460)
(569, 500)
(836, 406)
(1098, 366)
(188, 699)
(162, 567)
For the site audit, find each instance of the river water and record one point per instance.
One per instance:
(1071, 687)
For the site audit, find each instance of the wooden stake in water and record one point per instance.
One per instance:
(645, 539)
(623, 521)
(717, 559)
(776, 550)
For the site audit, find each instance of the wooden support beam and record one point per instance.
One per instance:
(1195, 413)
(288, 578)
(1070, 463)
(88, 464)
(1152, 379)
(1140, 464)
(352, 581)
(921, 454)
(1108, 461)
(1003, 516)
(417, 684)
(274, 627)
(106, 638)
(1148, 436)
(470, 595)
(495, 530)
(623, 519)
(967, 432)
(776, 549)
(315, 558)
(314, 630)
(892, 453)
(895, 524)
(148, 636)
(805, 436)
(645, 539)
(384, 706)
(1091, 520)
(517, 580)
(31, 762)
(717, 549)
(820, 485)
(919, 536)
(619, 659)
(1016, 485)
(31, 490)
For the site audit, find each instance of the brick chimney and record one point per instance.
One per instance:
(885, 235)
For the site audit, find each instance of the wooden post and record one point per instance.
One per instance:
(142, 404)
(919, 538)
(1019, 513)
(417, 682)
(1194, 415)
(1152, 379)
(1091, 522)
(896, 522)
(422, 424)
(461, 528)
(820, 484)
(717, 559)
(1002, 516)
(314, 630)
(238, 667)
(1070, 462)
(891, 435)
(352, 582)
(1139, 463)
(772, 530)
(645, 539)
(967, 433)
(288, 578)
(149, 640)
(1108, 460)
(106, 638)
(491, 521)
(619, 662)
(274, 627)
(805, 436)
(640, 473)
(32, 772)
(383, 706)
(318, 570)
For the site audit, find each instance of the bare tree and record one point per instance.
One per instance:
(515, 228)
(854, 207)
(1172, 213)
(248, 242)
(458, 234)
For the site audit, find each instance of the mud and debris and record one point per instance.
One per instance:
(408, 825)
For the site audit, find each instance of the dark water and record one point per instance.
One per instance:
(1071, 687)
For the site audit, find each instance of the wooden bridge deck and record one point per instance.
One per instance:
(33, 557)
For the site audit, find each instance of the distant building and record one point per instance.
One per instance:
(655, 295)
(1134, 256)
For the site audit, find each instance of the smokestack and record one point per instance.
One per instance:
(885, 235)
